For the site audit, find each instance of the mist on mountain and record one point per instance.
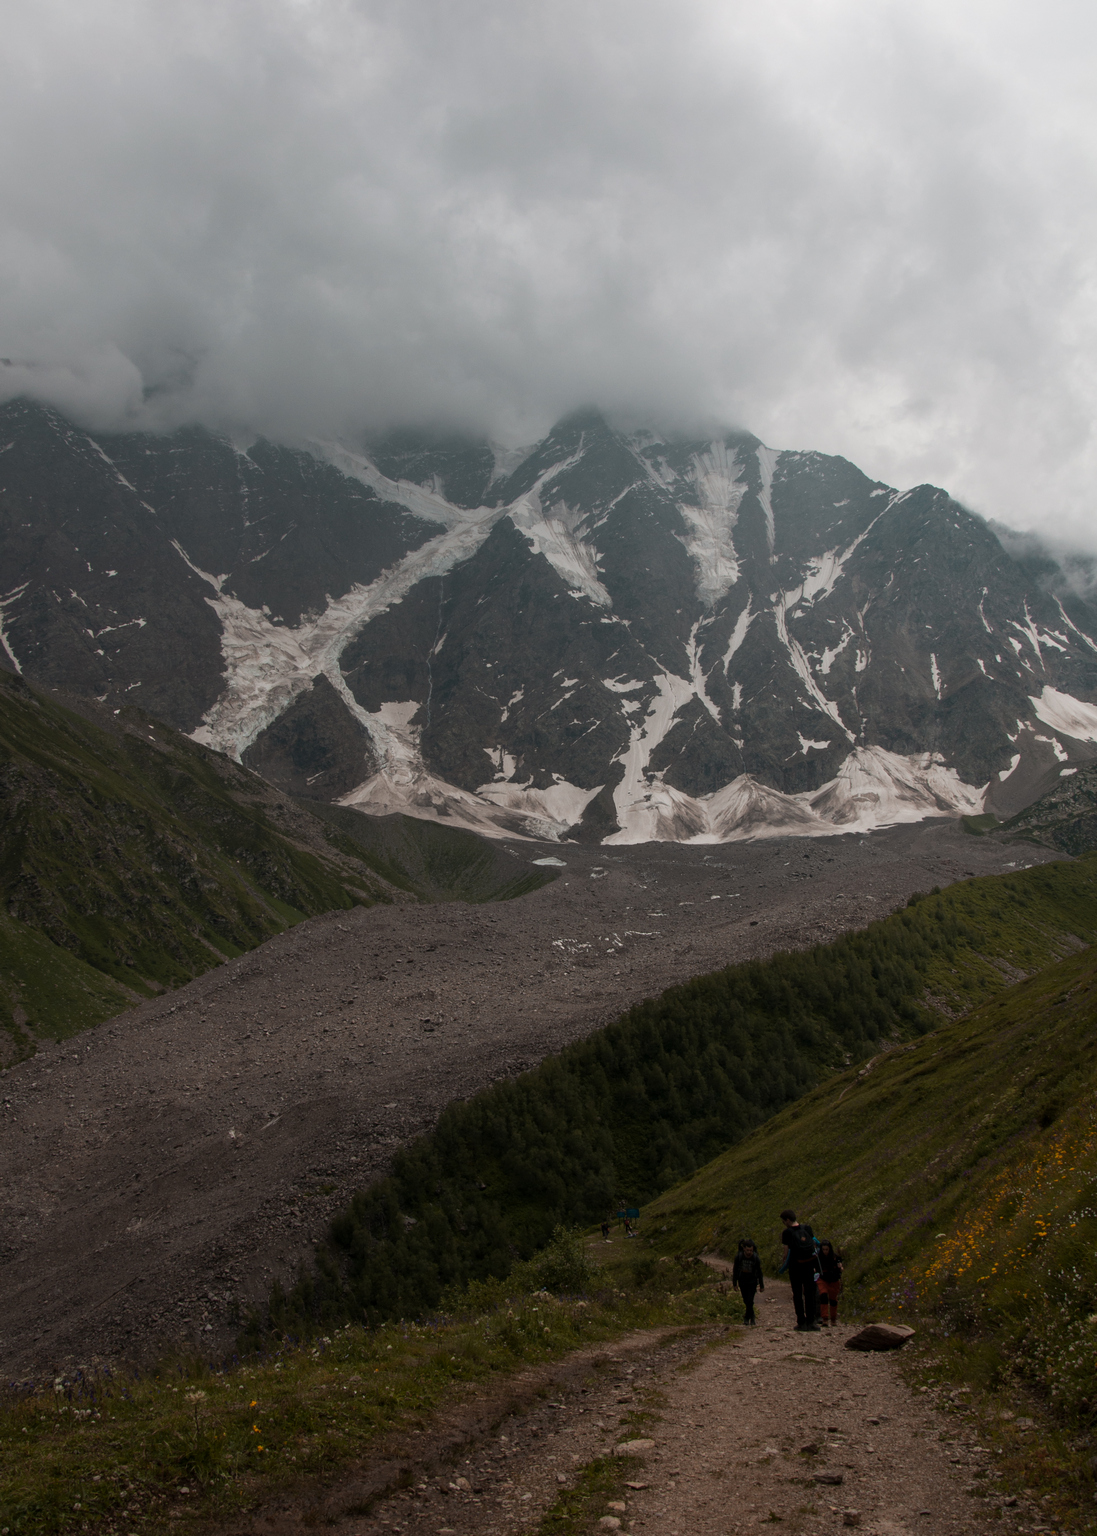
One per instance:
(862, 229)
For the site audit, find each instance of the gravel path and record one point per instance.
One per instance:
(749, 1430)
(157, 1172)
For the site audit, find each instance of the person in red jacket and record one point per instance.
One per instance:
(829, 1283)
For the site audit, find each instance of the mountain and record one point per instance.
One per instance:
(133, 859)
(613, 635)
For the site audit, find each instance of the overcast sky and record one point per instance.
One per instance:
(852, 225)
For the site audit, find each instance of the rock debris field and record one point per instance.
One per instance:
(735, 1431)
(157, 1172)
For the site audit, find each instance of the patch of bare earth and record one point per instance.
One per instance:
(763, 1428)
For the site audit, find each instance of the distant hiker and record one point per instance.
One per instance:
(605, 1230)
(747, 1277)
(630, 1231)
(829, 1282)
(799, 1240)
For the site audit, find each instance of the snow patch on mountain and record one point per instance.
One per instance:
(717, 477)
(423, 501)
(404, 784)
(873, 788)
(432, 800)
(6, 602)
(814, 695)
(745, 810)
(824, 571)
(618, 685)
(1064, 713)
(876, 788)
(556, 535)
(544, 813)
(1028, 629)
(738, 634)
(216, 582)
(696, 675)
(1068, 621)
(767, 463)
(832, 652)
(633, 798)
(267, 664)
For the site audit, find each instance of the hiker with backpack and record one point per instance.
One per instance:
(747, 1277)
(800, 1259)
(829, 1282)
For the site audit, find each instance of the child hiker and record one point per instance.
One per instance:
(829, 1283)
(747, 1277)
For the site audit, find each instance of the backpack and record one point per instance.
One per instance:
(801, 1244)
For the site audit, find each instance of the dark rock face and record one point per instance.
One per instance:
(316, 749)
(106, 542)
(621, 635)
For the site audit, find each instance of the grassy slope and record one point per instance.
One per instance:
(626, 1113)
(959, 1175)
(132, 859)
(134, 1451)
(435, 863)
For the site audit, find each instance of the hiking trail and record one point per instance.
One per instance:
(748, 1428)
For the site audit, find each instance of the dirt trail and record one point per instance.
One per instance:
(158, 1171)
(732, 1416)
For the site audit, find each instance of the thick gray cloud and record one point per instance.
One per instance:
(856, 225)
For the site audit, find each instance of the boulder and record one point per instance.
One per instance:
(881, 1336)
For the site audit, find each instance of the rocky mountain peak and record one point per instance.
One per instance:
(615, 634)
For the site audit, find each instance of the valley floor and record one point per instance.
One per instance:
(157, 1172)
(744, 1430)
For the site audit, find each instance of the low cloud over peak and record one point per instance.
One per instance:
(852, 226)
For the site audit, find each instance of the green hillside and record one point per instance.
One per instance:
(432, 862)
(640, 1105)
(959, 1176)
(133, 859)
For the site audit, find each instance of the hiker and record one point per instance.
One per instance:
(605, 1230)
(630, 1230)
(747, 1277)
(799, 1240)
(829, 1282)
